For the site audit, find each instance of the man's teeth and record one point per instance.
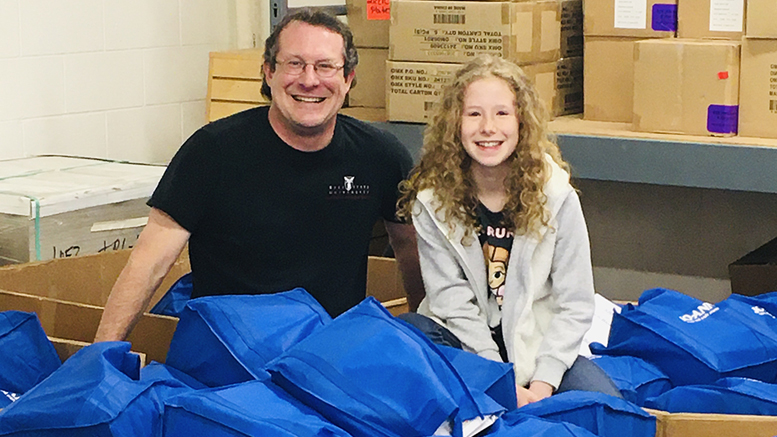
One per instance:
(309, 99)
(489, 143)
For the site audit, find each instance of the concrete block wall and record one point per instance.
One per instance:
(117, 79)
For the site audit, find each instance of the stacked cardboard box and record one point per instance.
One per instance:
(369, 22)
(429, 40)
(758, 78)
(710, 19)
(686, 86)
(610, 30)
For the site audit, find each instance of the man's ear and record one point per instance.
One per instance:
(350, 77)
(267, 70)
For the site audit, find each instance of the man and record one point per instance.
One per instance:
(276, 197)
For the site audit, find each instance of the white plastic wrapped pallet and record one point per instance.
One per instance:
(59, 206)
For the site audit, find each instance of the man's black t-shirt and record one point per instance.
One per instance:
(265, 217)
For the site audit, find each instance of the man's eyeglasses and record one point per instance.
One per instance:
(295, 67)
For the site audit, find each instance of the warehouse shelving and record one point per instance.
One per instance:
(613, 152)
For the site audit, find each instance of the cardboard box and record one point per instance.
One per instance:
(68, 295)
(76, 321)
(457, 31)
(638, 18)
(756, 272)
(384, 282)
(713, 425)
(414, 87)
(609, 78)
(758, 88)
(760, 20)
(559, 84)
(571, 28)
(370, 89)
(711, 19)
(234, 82)
(60, 206)
(686, 86)
(369, 21)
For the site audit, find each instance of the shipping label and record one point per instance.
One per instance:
(466, 43)
(630, 14)
(727, 15)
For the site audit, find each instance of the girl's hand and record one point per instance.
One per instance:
(537, 391)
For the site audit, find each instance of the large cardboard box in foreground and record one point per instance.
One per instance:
(761, 18)
(609, 78)
(686, 86)
(68, 295)
(644, 19)
(61, 206)
(713, 425)
(457, 31)
(711, 19)
(758, 88)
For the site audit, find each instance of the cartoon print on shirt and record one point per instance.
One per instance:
(496, 260)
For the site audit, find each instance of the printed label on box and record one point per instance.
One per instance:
(722, 119)
(378, 10)
(773, 88)
(630, 14)
(727, 15)
(664, 18)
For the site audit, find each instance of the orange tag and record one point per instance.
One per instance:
(378, 10)
(723, 75)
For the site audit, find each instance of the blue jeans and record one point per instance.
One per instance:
(583, 375)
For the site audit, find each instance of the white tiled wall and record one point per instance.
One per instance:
(117, 79)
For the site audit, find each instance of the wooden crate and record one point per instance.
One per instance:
(234, 82)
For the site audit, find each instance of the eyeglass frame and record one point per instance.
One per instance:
(284, 65)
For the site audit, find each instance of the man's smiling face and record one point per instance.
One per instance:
(307, 104)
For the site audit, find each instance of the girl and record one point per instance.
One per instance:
(502, 241)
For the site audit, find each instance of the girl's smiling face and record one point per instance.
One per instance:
(489, 123)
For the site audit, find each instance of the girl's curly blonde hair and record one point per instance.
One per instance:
(445, 165)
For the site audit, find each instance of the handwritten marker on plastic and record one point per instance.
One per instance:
(722, 75)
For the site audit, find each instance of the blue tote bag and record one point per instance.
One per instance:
(603, 415)
(26, 354)
(695, 342)
(636, 379)
(223, 340)
(97, 392)
(174, 300)
(254, 408)
(515, 424)
(496, 379)
(725, 396)
(373, 375)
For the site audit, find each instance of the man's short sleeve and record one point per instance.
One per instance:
(188, 182)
